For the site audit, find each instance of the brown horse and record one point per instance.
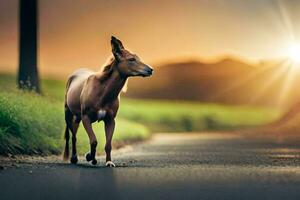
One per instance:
(94, 96)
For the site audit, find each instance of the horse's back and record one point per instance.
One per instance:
(74, 87)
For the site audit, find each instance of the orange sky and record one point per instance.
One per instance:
(76, 33)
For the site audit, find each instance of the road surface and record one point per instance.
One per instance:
(171, 166)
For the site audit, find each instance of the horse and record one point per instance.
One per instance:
(94, 96)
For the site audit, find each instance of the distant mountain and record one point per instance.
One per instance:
(228, 81)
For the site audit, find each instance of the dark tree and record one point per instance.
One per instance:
(28, 45)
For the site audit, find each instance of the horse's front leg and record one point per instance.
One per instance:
(93, 140)
(109, 131)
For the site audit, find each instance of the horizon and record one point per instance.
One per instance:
(192, 59)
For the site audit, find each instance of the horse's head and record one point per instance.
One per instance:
(128, 64)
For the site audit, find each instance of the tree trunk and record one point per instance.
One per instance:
(28, 45)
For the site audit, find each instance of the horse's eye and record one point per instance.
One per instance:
(131, 59)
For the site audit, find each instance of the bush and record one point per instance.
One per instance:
(29, 124)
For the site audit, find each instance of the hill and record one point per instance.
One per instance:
(230, 81)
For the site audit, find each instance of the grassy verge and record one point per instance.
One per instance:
(29, 124)
(32, 123)
(189, 116)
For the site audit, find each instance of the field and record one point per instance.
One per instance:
(34, 124)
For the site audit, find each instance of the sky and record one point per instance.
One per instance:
(76, 33)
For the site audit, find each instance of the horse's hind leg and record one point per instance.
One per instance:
(74, 129)
(93, 140)
(72, 125)
(68, 120)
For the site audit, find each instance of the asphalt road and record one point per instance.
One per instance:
(178, 166)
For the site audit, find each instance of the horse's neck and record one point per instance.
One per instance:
(113, 86)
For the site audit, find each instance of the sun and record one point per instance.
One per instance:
(294, 53)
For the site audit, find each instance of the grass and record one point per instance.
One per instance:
(29, 124)
(189, 116)
(33, 124)
(52, 89)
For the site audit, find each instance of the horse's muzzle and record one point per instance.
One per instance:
(148, 72)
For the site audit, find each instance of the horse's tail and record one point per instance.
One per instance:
(68, 119)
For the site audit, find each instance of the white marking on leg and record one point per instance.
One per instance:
(101, 114)
(110, 164)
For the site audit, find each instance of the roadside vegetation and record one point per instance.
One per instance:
(34, 124)
(180, 116)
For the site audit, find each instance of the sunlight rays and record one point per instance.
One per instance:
(293, 53)
(283, 73)
(286, 20)
(251, 77)
(286, 87)
(273, 77)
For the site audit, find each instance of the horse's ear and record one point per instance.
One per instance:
(117, 47)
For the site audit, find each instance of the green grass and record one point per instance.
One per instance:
(189, 116)
(53, 89)
(31, 123)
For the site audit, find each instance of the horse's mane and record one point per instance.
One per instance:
(107, 70)
(107, 66)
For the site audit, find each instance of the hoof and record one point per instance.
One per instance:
(110, 164)
(88, 157)
(94, 162)
(74, 159)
